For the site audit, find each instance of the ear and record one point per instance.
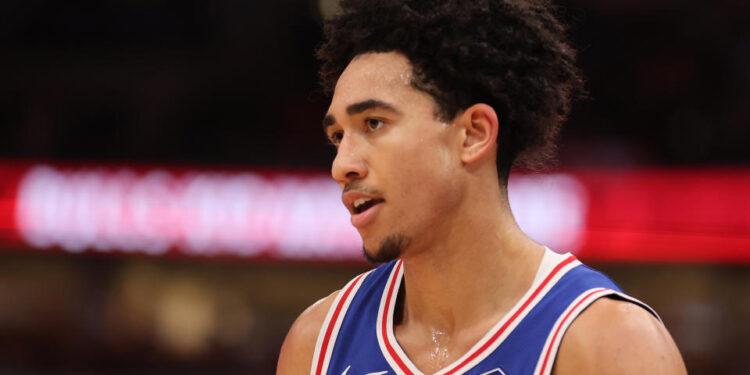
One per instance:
(480, 128)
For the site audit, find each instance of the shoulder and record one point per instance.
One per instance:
(299, 346)
(617, 337)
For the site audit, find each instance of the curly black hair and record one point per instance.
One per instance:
(510, 54)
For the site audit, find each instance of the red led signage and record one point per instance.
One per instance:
(638, 215)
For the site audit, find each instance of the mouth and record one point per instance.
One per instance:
(363, 207)
(363, 204)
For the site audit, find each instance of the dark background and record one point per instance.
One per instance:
(234, 83)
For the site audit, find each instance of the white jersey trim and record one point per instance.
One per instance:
(392, 286)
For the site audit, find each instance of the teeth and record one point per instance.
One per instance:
(360, 202)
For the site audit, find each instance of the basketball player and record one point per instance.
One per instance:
(433, 102)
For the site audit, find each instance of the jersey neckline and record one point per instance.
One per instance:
(552, 267)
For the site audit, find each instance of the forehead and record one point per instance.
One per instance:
(382, 76)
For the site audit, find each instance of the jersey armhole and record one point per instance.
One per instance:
(575, 308)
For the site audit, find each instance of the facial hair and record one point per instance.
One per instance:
(390, 249)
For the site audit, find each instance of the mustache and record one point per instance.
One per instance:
(359, 187)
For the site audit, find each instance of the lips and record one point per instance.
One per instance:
(363, 207)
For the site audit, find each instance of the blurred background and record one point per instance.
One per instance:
(165, 205)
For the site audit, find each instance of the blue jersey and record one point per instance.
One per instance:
(357, 336)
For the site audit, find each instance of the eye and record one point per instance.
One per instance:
(374, 124)
(336, 137)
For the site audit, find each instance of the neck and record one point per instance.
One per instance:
(471, 274)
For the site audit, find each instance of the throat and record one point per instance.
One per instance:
(430, 348)
(436, 322)
(439, 354)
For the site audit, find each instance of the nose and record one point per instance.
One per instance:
(349, 165)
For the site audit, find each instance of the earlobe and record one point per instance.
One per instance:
(480, 128)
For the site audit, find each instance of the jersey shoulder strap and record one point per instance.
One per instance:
(562, 289)
(577, 291)
(532, 346)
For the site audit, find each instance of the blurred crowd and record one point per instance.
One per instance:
(234, 82)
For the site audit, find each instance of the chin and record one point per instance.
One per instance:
(390, 248)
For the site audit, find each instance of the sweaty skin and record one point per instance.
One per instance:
(440, 353)
(466, 262)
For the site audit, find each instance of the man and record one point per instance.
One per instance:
(433, 103)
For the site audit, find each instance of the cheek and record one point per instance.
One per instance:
(424, 179)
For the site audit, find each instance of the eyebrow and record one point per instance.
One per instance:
(360, 107)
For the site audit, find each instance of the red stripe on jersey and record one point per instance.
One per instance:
(515, 315)
(384, 325)
(562, 324)
(332, 323)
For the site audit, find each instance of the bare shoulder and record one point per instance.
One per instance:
(617, 337)
(299, 346)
